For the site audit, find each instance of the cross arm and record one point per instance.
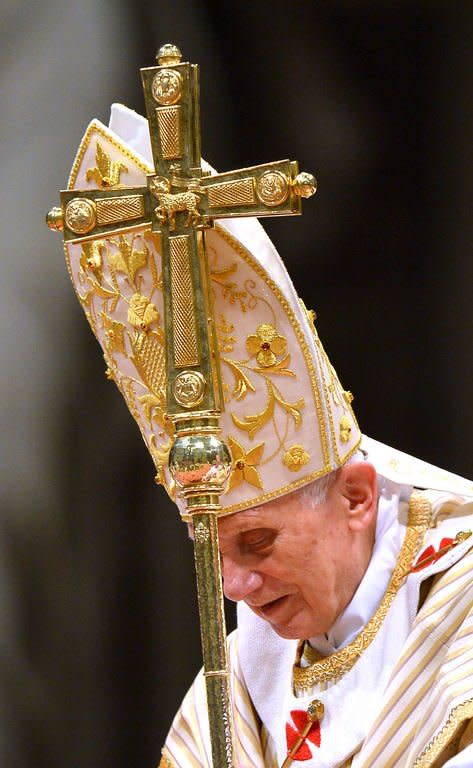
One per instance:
(271, 189)
(92, 212)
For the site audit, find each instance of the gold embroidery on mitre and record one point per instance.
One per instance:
(244, 464)
(295, 458)
(243, 295)
(226, 339)
(107, 172)
(345, 427)
(92, 256)
(339, 663)
(126, 258)
(118, 282)
(142, 313)
(266, 345)
(94, 130)
(118, 288)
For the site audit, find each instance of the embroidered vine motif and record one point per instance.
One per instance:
(299, 719)
(253, 422)
(107, 172)
(119, 283)
(229, 288)
(268, 360)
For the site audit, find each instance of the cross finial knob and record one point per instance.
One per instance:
(168, 54)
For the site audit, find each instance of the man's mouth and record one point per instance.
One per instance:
(267, 610)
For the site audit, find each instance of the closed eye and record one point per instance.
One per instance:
(257, 541)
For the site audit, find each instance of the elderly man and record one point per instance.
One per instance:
(350, 561)
(357, 595)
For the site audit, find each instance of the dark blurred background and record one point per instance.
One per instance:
(98, 630)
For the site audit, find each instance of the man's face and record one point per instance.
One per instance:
(294, 565)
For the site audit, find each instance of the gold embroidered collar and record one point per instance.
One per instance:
(339, 663)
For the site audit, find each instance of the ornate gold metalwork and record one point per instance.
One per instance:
(111, 210)
(231, 193)
(167, 86)
(168, 54)
(189, 388)
(80, 215)
(170, 204)
(54, 219)
(305, 184)
(199, 464)
(169, 121)
(201, 534)
(339, 663)
(272, 188)
(186, 351)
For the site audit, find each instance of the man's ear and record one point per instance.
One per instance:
(359, 488)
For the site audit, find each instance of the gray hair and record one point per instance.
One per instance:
(315, 493)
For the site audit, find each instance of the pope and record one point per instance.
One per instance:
(351, 563)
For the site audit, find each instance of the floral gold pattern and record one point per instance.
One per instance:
(295, 458)
(244, 464)
(266, 345)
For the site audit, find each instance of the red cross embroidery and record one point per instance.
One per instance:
(430, 555)
(299, 718)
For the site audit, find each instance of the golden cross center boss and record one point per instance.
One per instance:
(351, 562)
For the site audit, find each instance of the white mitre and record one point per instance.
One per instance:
(287, 420)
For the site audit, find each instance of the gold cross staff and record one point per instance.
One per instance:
(180, 201)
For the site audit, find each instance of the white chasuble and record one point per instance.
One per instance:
(394, 693)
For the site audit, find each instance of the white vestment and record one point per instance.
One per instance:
(397, 683)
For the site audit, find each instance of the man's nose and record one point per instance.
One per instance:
(239, 581)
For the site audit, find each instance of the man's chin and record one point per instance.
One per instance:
(294, 627)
